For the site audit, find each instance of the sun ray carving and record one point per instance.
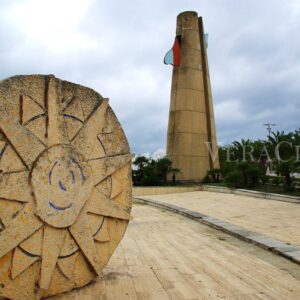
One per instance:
(71, 180)
(89, 131)
(106, 166)
(29, 109)
(20, 228)
(21, 261)
(67, 264)
(99, 204)
(52, 243)
(21, 191)
(80, 230)
(16, 134)
(7, 154)
(102, 235)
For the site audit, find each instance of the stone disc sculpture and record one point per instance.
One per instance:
(65, 186)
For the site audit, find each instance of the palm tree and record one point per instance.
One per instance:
(173, 172)
(281, 147)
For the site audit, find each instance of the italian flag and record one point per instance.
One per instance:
(173, 56)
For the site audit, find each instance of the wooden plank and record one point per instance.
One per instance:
(176, 286)
(201, 282)
(166, 256)
(118, 282)
(239, 278)
(145, 281)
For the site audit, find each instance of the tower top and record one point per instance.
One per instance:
(188, 14)
(187, 20)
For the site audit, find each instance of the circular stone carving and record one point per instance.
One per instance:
(65, 186)
(62, 183)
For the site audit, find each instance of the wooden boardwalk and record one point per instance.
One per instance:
(167, 256)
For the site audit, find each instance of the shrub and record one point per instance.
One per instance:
(264, 179)
(234, 179)
(290, 187)
(206, 179)
(227, 167)
(277, 180)
(253, 174)
(214, 175)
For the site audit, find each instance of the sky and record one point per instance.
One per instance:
(117, 48)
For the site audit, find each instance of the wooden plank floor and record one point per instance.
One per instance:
(167, 256)
(276, 219)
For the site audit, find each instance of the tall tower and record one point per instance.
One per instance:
(191, 119)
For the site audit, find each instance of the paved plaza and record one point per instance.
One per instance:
(167, 256)
(275, 219)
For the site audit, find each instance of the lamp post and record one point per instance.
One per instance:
(269, 127)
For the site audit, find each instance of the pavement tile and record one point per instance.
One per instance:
(289, 251)
(293, 254)
(287, 248)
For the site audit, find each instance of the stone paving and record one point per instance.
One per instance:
(167, 256)
(282, 248)
(275, 219)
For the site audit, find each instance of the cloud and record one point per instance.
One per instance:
(117, 48)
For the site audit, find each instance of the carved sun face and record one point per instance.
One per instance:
(65, 183)
(62, 183)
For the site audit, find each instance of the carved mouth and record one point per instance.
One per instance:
(59, 208)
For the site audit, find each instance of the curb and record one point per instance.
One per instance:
(250, 193)
(283, 249)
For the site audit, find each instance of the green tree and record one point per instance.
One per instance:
(139, 169)
(173, 172)
(147, 171)
(282, 149)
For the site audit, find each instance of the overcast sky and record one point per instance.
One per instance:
(117, 47)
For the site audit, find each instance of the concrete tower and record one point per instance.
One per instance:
(191, 119)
